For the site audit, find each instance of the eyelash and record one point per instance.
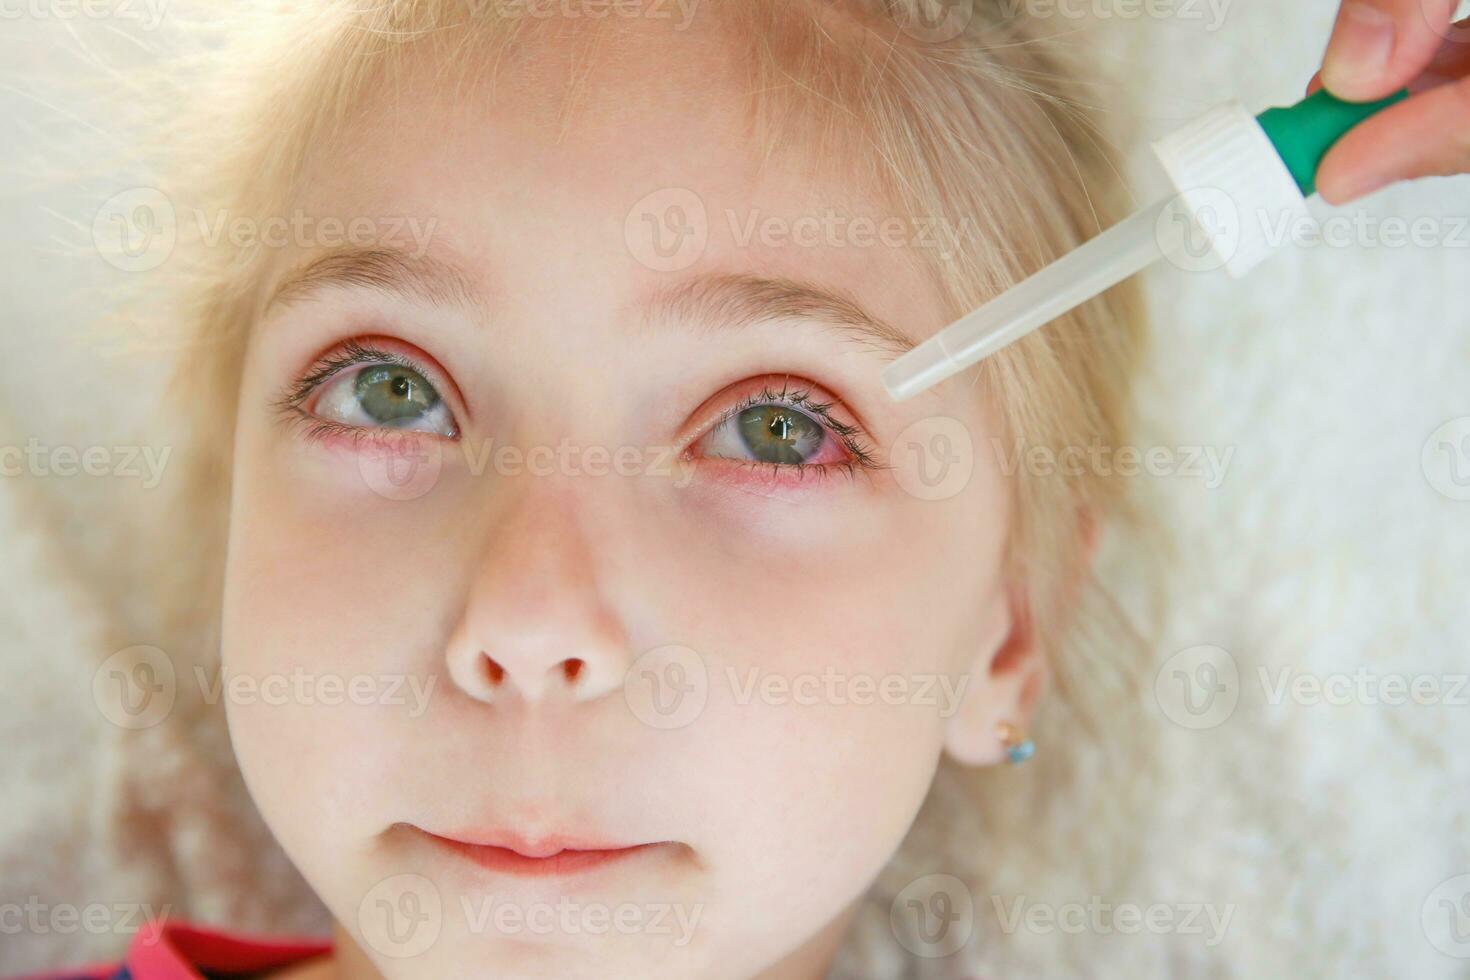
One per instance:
(353, 353)
(861, 455)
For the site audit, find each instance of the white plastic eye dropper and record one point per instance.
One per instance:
(1236, 176)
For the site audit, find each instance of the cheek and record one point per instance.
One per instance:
(857, 577)
(334, 610)
(838, 636)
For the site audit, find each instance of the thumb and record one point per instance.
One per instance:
(1377, 46)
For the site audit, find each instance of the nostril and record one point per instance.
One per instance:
(494, 672)
(497, 676)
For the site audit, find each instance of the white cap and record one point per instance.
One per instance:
(1234, 185)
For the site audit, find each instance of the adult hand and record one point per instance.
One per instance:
(1378, 47)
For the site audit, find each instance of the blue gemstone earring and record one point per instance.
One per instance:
(1018, 749)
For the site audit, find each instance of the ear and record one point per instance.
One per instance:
(1008, 672)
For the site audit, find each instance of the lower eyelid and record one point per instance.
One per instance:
(776, 480)
(357, 438)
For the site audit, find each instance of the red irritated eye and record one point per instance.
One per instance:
(786, 427)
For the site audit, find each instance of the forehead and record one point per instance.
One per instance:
(586, 153)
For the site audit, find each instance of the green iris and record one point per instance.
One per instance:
(394, 395)
(777, 434)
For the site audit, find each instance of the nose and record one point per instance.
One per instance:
(536, 626)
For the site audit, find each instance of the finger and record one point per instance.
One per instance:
(1377, 46)
(1424, 136)
(1450, 62)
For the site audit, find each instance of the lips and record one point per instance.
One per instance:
(551, 856)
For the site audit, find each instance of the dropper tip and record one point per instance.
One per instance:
(918, 370)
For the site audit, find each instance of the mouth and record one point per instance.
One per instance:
(542, 857)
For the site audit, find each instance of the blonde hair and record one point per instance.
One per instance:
(982, 121)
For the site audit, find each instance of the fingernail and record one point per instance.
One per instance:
(1360, 47)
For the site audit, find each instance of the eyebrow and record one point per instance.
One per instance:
(738, 300)
(387, 270)
(721, 301)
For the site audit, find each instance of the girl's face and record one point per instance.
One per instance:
(561, 527)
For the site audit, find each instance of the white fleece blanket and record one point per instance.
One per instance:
(1322, 545)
